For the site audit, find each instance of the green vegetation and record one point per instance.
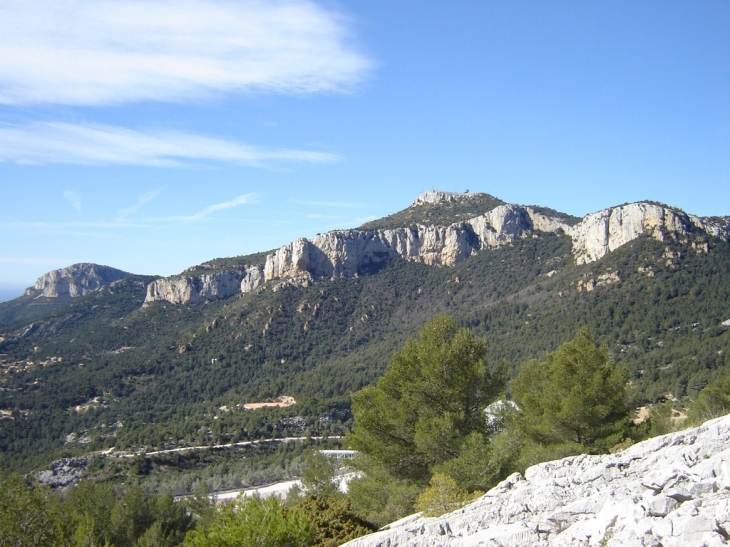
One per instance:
(98, 513)
(430, 399)
(660, 319)
(425, 441)
(229, 263)
(90, 514)
(251, 522)
(577, 396)
(443, 495)
(333, 520)
(29, 517)
(712, 402)
(424, 413)
(427, 444)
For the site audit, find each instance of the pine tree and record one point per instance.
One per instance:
(576, 396)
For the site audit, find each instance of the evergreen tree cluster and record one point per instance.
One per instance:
(104, 370)
(431, 436)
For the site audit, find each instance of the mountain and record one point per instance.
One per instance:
(170, 362)
(348, 253)
(57, 288)
(672, 490)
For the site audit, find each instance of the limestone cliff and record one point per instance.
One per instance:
(671, 491)
(76, 280)
(607, 230)
(183, 289)
(347, 253)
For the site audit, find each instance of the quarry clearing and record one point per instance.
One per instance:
(280, 402)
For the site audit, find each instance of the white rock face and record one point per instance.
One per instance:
(437, 196)
(502, 225)
(253, 278)
(346, 253)
(76, 280)
(605, 231)
(670, 491)
(288, 261)
(195, 288)
(718, 226)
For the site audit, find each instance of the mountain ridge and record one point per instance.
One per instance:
(348, 253)
(360, 251)
(158, 375)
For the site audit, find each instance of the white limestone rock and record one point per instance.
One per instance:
(195, 288)
(605, 231)
(547, 224)
(668, 491)
(501, 225)
(437, 196)
(716, 226)
(253, 278)
(288, 261)
(74, 281)
(347, 253)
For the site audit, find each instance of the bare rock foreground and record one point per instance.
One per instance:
(669, 491)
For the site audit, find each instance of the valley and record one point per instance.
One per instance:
(166, 363)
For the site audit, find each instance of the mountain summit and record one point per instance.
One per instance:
(74, 281)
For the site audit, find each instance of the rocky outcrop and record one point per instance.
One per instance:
(76, 280)
(605, 231)
(195, 288)
(347, 253)
(433, 197)
(670, 491)
(715, 226)
(64, 472)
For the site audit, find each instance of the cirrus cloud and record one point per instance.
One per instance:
(85, 52)
(44, 143)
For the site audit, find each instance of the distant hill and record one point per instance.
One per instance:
(58, 287)
(169, 362)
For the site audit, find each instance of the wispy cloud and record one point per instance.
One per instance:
(235, 202)
(137, 224)
(73, 198)
(340, 204)
(85, 52)
(144, 198)
(93, 144)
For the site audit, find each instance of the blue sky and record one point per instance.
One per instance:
(154, 135)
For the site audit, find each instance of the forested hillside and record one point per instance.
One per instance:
(102, 371)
